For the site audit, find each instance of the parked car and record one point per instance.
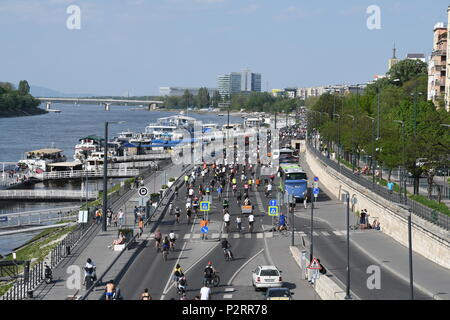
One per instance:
(278, 294)
(266, 277)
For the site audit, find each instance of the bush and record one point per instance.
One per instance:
(164, 186)
(171, 179)
(441, 207)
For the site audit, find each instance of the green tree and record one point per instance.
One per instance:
(203, 99)
(407, 70)
(24, 87)
(187, 100)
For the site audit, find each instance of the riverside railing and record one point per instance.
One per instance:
(89, 173)
(433, 216)
(37, 217)
(47, 194)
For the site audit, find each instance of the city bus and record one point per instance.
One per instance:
(294, 180)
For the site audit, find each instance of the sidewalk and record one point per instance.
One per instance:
(97, 247)
(428, 276)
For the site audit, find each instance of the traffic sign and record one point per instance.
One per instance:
(204, 229)
(273, 203)
(316, 179)
(315, 265)
(273, 211)
(143, 191)
(3, 219)
(316, 192)
(204, 205)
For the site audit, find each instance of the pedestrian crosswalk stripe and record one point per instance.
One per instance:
(248, 235)
(215, 235)
(269, 235)
(325, 233)
(236, 235)
(187, 236)
(196, 236)
(229, 289)
(259, 235)
(224, 235)
(315, 233)
(227, 296)
(302, 234)
(338, 233)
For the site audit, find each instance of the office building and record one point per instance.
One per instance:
(235, 82)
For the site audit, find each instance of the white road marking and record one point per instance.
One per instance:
(227, 296)
(269, 235)
(196, 236)
(338, 233)
(236, 235)
(259, 235)
(187, 236)
(215, 235)
(315, 233)
(229, 289)
(248, 235)
(242, 267)
(326, 234)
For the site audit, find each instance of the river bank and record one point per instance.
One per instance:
(13, 113)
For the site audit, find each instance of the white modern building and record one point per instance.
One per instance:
(235, 82)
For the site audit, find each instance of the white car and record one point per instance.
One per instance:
(266, 277)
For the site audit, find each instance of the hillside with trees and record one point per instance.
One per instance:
(18, 102)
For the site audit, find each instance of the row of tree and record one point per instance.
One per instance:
(17, 102)
(396, 112)
(254, 101)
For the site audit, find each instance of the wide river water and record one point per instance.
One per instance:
(63, 130)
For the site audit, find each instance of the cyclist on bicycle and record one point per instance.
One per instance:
(225, 203)
(226, 247)
(251, 220)
(172, 239)
(177, 214)
(209, 273)
(177, 273)
(226, 219)
(158, 237)
(166, 244)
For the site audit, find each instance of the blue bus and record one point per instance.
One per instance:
(294, 180)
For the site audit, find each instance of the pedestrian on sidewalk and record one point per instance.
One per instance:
(136, 211)
(121, 214)
(114, 219)
(141, 226)
(305, 200)
(98, 216)
(362, 219)
(109, 217)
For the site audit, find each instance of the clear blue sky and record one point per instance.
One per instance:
(141, 45)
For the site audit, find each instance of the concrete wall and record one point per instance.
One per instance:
(429, 240)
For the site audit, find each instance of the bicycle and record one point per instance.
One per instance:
(214, 281)
(172, 245)
(228, 254)
(165, 253)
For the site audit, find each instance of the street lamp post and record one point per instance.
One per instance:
(404, 160)
(411, 280)
(373, 151)
(347, 291)
(311, 250)
(105, 174)
(339, 139)
(353, 144)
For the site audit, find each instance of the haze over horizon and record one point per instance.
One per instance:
(139, 45)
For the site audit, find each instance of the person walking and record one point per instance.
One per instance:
(114, 219)
(141, 226)
(305, 200)
(121, 215)
(136, 211)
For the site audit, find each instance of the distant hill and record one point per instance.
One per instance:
(50, 93)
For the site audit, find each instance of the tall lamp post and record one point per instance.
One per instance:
(105, 172)
(339, 139)
(347, 291)
(353, 144)
(404, 160)
(373, 150)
